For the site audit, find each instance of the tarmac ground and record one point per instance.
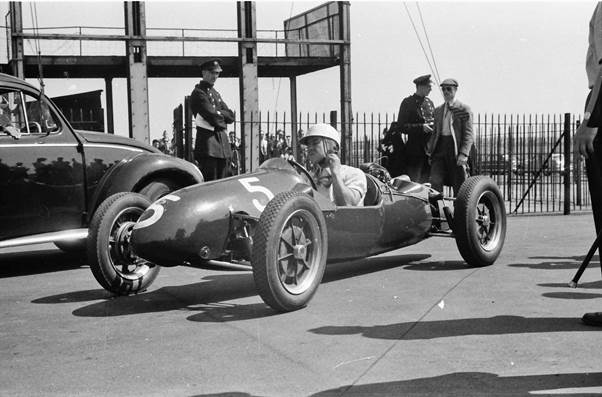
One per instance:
(414, 322)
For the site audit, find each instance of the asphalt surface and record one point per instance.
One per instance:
(414, 322)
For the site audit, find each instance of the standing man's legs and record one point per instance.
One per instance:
(594, 180)
(209, 168)
(443, 163)
(417, 168)
(459, 178)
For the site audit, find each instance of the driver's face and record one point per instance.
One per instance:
(315, 149)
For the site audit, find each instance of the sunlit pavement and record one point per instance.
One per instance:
(414, 322)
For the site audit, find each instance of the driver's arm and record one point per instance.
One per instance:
(348, 189)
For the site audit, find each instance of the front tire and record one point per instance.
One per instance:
(158, 188)
(480, 221)
(290, 246)
(111, 259)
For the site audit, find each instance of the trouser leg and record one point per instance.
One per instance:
(208, 167)
(221, 168)
(459, 177)
(417, 169)
(593, 167)
(437, 172)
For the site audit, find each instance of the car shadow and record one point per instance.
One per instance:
(466, 384)
(205, 296)
(498, 325)
(14, 264)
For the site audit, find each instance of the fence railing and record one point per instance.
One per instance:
(529, 156)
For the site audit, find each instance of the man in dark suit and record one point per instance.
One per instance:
(211, 116)
(415, 119)
(588, 140)
(450, 145)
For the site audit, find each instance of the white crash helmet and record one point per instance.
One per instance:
(324, 131)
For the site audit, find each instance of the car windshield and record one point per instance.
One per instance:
(278, 163)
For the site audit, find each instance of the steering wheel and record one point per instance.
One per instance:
(301, 170)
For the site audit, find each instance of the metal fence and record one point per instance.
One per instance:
(529, 156)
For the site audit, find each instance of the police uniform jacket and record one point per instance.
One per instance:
(462, 128)
(211, 118)
(414, 111)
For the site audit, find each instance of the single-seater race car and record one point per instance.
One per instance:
(274, 222)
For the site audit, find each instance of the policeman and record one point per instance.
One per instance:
(211, 115)
(342, 184)
(415, 119)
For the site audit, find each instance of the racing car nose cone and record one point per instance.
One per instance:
(299, 251)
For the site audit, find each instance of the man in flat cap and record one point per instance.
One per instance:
(450, 145)
(211, 116)
(415, 119)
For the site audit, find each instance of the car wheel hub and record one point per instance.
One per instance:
(300, 251)
(488, 227)
(124, 260)
(297, 253)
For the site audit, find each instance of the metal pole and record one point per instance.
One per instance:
(109, 101)
(294, 128)
(188, 148)
(567, 163)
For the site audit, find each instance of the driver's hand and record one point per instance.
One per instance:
(334, 163)
(584, 140)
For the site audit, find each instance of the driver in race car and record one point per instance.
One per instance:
(342, 184)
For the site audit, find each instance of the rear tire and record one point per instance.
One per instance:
(111, 259)
(290, 246)
(479, 221)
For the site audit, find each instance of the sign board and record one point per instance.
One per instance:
(319, 23)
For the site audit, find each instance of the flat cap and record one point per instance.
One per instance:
(214, 65)
(422, 80)
(452, 82)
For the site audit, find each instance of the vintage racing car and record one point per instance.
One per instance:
(274, 222)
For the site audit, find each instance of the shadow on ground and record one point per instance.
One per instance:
(498, 325)
(40, 261)
(205, 297)
(466, 384)
(556, 263)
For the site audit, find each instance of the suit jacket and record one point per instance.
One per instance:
(212, 116)
(462, 128)
(414, 111)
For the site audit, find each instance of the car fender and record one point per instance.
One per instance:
(132, 174)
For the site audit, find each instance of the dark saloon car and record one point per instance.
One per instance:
(53, 178)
